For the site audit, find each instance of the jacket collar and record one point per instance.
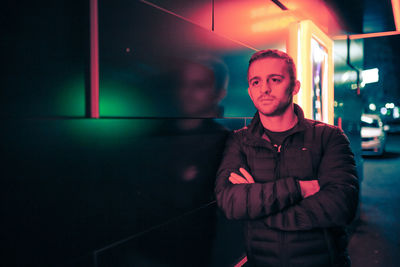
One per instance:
(256, 129)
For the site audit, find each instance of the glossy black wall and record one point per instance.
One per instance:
(73, 186)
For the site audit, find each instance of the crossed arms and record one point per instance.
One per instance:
(286, 203)
(308, 188)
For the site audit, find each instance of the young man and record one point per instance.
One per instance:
(292, 180)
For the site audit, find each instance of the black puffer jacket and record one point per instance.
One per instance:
(282, 228)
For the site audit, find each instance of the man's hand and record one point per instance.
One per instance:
(237, 179)
(309, 188)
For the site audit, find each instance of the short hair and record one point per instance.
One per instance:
(274, 53)
(218, 67)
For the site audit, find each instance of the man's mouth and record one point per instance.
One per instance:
(266, 99)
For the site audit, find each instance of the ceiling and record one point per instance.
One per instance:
(364, 16)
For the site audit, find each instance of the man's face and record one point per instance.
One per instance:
(197, 93)
(270, 86)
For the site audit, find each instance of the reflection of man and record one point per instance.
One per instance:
(182, 159)
(202, 86)
(291, 179)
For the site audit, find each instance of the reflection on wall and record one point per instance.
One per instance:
(140, 54)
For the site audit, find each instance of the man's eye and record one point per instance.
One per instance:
(276, 80)
(255, 83)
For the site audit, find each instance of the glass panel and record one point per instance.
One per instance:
(155, 64)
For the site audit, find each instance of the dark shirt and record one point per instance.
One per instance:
(277, 138)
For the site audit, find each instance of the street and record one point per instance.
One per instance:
(376, 241)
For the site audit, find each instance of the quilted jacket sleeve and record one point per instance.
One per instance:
(250, 201)
(336, 202)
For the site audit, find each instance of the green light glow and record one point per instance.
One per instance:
(71, 99)
(121, 100)
(109, 131)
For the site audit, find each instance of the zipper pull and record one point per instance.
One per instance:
(278, 148)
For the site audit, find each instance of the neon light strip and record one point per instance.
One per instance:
(366, 35)
(241, 262)
(299, 66)
(306, 31)
(94, 60)
(396, 13)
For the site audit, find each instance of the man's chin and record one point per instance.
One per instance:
(267, 111)
(272, 112)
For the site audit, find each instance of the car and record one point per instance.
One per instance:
(373, 135)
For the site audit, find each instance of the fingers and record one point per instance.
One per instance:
(247, 175)
(309, 188)
(237, 179)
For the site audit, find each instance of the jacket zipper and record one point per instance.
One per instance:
(277, 156)
(282, 234)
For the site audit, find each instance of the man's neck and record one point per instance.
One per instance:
(280, 123)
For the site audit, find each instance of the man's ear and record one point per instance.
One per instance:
(296, 87)
(221, 94)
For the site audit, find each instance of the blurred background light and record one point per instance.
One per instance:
(367, 119)
(370, 75)
(389, 105)
(372, 106)
(396, 113)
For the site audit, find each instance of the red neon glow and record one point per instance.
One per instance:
(241, 262)
(396, 13)
(260, 23)
(94, 60)
(366, 35)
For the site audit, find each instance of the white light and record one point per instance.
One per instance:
(367, 119)
(389, 105)
(345, 76)
(372, 106)
(383, 111)
(349, 76)
(318, 53)
(370, 76)
(396, 113)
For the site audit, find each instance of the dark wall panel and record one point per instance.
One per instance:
(72, 186)
(44, 48)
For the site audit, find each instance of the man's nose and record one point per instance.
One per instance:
(265, 88)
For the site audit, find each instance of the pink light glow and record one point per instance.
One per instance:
(241, 262)
(94, 60)
(396, 13)
(259, 23)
